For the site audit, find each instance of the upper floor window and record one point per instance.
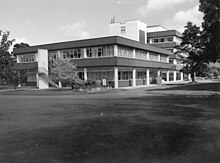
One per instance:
(125, 52)
(72, 54)
(27, 58)
(102, 51)
(162, 40)
(163, 58)
(141, 54)
(153, 56)
(123, 30)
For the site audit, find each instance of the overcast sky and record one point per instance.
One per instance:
(47, 21)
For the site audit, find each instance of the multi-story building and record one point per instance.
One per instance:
(123, 59)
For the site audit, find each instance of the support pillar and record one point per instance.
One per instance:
(134, 77)
(168, 76)
(181, 76)
(116, 77)
(85, 73)
(147, 77)
(37, 80)
(115, 50)
(174, 76)
(84, 53)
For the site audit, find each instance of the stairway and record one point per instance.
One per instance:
(51, 82)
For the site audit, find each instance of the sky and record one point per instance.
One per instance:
(47, 21)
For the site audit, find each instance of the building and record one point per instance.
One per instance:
(123, 59)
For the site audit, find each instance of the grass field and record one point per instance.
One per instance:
(160, 124)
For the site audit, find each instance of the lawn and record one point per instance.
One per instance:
(159, 124)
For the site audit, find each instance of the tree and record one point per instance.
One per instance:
(7, 62)
(211, 29)
(63, 71)
(5, 55)
(192, 47)
(21, 45)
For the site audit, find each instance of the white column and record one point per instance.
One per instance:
(159, 57)
(60, 84)
(181, 76)
(168, 76)
(134, 77)
(116, 77)
(17, 58)
(85, 73)
(168, 59)
(148, 56)
(59, 54)
(158, 73)
(147, 77)
(189, 76)
(174, 76)
(133, 55)
(115, 50)
(84, 53)
(37, 80)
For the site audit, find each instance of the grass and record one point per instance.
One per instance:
(160, 124)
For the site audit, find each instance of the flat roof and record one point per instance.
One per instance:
(164, 34)
(101, 41)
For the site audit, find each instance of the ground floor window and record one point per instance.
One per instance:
(141, 75)
(109, 75)
(124, 75)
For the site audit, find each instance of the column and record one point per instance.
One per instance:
(147, 77)
(158, 73)
(59, 54)
(134, 77)
(148, 56)
(85, 73)
(84, 53)
(37, 80)
(168, 76)
(159, 57)
(133, 55)
(115, 50)
(174, 76)
(181, 76)
(116, 77)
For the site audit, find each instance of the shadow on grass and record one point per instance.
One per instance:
(215, 87)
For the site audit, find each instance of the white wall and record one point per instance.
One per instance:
(42, 57)
(131, 29)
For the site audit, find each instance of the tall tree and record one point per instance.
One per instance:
(192, 47)
(7, 62)
(5, 55)
(211, 29)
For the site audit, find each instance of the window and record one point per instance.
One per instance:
(27, 58)
(141, 54)
(102, 51)
(124, 75)
(99, 75)
(125, 52)
(163, 58)
(153, 56)
(72, 54)
(123, 31)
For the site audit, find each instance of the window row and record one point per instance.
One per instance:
(141, 54)
(125, 52)
(27, 58)
(162, 40)
(163, 58)
(153, 56)
(102, 51)
(109, 75)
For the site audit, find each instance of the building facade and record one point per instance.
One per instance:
(123, 60)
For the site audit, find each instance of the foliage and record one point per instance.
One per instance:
(192, 47)
(21, 45)
(7, 62)
(5, 55)
(64, 71)
(211, 29)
